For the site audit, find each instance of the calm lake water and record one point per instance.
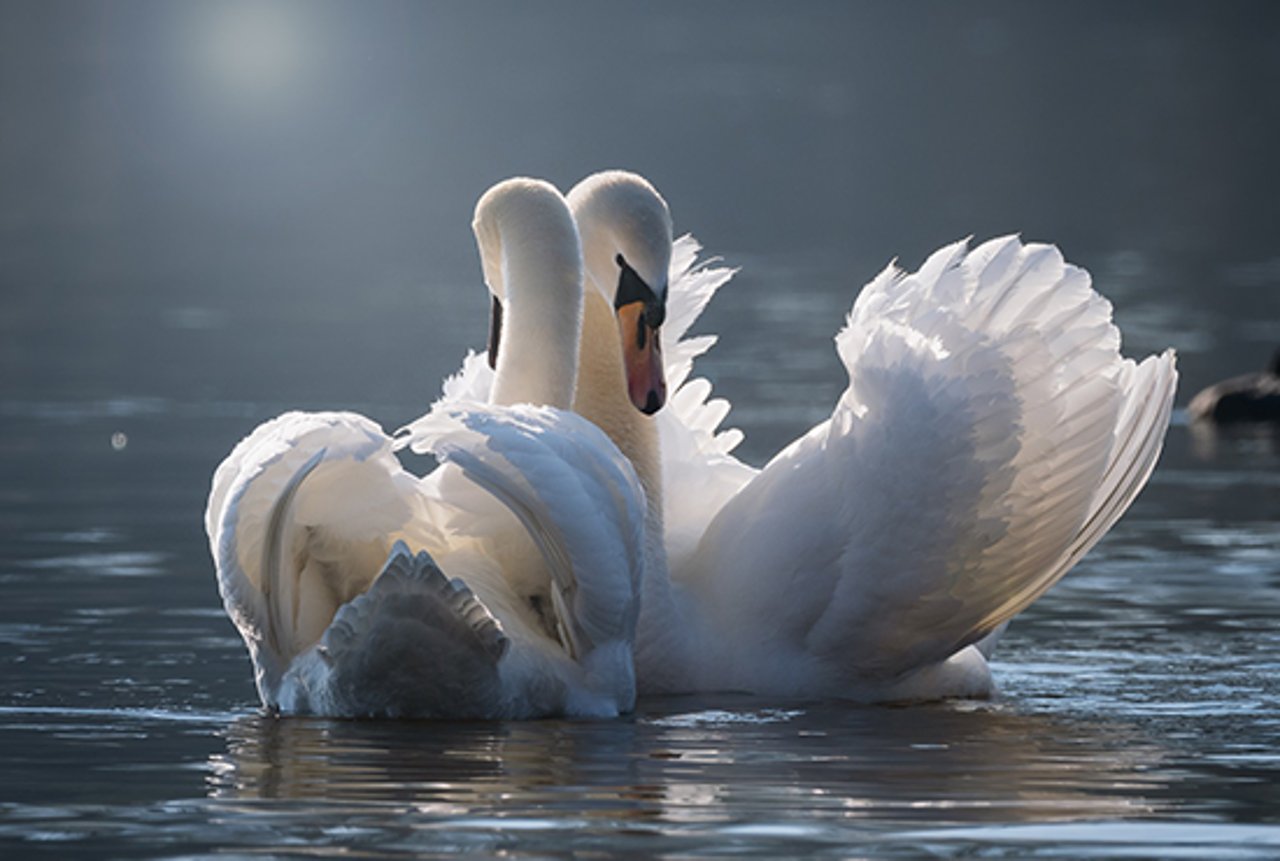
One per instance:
(215, 213)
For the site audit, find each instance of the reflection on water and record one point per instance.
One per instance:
(1143, 689)
(1214, 442)
(687, 762)
(690, 773)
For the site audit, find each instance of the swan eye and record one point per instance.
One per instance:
(631, 288)
(655, 314)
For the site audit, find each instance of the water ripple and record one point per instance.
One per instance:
(122, 563)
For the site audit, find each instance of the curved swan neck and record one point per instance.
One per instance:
(532, 263)
(601, 397)
(620, 213)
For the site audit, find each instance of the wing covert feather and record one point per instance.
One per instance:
(575, 493)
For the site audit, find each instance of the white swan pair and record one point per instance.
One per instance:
(990, 435)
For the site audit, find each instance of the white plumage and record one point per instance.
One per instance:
(989, 436)
(361, 590)
(991, 433)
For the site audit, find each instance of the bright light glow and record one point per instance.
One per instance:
(252, 50)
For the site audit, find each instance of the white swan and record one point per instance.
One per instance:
(991, 433)
(313, 525)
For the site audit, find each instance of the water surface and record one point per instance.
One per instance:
(186, 251)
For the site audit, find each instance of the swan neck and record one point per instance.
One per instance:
(661, 638)
(537, 363)
(601, 397)
(533, 264)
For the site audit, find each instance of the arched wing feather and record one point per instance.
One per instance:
(990, 434)
(301, 517)
(699, 471)
(575, 493)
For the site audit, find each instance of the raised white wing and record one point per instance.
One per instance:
(699, 471)
(990, 435)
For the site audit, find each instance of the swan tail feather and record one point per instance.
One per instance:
(415, 644)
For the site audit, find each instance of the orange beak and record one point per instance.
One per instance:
(642, 359)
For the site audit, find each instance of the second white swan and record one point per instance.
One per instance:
(991, 433)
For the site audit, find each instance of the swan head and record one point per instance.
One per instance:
(625, 229)
(532, 264)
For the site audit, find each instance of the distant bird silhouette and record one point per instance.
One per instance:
(1247, 398)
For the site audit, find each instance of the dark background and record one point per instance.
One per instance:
(225, 200)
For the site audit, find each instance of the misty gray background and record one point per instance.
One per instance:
(271, 202)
